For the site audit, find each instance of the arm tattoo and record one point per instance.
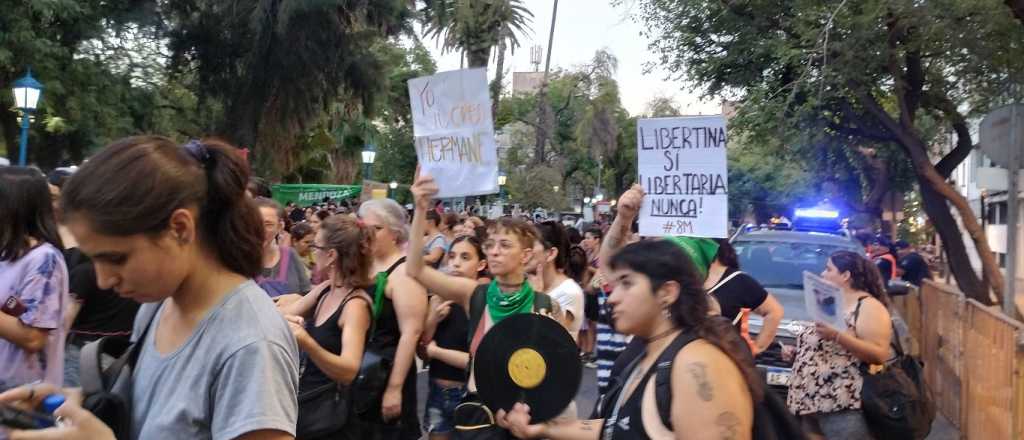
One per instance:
(699, 373)
(728, 424)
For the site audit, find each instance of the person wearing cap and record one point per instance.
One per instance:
(880, 252)
(911, 266)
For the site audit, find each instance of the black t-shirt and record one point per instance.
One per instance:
(740, 292)
(103, 312)
(451, 334)
(915, 269)
(884, 269)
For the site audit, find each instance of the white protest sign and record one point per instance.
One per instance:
(454, 133)
(681, 164)
(824, 301)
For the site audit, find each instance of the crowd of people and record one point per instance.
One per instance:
(261, 321)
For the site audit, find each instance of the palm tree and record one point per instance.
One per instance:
(475, 27)
(276, 66)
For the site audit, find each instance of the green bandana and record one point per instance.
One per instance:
(702, 252)
(503, 305)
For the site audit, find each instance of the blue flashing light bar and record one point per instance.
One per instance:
(817, 213)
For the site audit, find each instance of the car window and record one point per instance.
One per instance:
(781, 264)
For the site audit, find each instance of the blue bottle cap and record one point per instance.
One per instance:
(52, 402)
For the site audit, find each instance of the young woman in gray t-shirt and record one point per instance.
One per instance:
(170, 226)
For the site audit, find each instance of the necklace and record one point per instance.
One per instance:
(661, 335)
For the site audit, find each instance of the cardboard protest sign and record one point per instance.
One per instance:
(454, 132)
(681, 164)
(824, 301)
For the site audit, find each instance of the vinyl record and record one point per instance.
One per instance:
(528, 358)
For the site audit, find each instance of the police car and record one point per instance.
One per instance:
(777, 257)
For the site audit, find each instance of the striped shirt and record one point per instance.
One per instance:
(609, 343)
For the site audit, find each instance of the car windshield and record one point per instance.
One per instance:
(778, 264)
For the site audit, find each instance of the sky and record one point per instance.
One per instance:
(582, 28)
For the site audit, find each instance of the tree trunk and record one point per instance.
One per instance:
(945, 225)
(478, 56)
(499, 73)
(930, 180)
(542, 128)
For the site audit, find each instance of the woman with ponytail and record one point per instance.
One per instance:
(170, 226)
(331, 323)
(825, 388)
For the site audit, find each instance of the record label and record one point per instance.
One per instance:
(526, 367)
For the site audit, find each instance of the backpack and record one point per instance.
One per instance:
(772, 419)
(107, 392)
(478, 304)
(896, 402)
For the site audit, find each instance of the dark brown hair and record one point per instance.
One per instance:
(450, 219)
(434, 218)
(477, 247)
(864, 274)
(25, 212)
(553, 235)
(727, 254)
(663, 261)
(354, 244)
(155, 177)
(300, 231)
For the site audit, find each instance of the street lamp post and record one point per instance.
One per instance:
(393, 185)
(26, 96)
(369, 155)
(502, 180)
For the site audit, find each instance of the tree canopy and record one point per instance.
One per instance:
(846, 75)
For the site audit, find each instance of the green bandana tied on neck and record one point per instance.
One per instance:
(702, 251)
(502, 305)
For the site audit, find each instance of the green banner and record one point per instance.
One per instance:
(304, 194)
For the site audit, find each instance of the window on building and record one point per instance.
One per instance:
(996, 214)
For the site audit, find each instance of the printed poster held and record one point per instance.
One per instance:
(824, 301)
(681, 164)
(454, 133)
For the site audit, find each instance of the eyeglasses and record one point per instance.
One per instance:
(318, 247)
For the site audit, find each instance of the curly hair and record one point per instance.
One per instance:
(864, 275)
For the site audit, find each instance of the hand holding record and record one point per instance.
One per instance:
(528, 358)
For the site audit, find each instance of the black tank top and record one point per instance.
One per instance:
(326, 335)
(626, 420)
(385, 341)
(451, 334)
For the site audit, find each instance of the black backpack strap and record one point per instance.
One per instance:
(541, 301)
(663, 376)
(477, 305)
(95, 379)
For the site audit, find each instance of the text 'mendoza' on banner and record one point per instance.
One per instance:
(454, 132)
(681, 164)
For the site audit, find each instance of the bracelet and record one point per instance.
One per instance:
(836, 337)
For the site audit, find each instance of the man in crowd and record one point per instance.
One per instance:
(911, 265)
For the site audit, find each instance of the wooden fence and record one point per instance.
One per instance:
(972, 361)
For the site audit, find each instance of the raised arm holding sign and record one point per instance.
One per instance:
(454, 132)
(681, 162)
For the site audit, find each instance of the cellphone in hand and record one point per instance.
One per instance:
(16, 418)
(14, 307)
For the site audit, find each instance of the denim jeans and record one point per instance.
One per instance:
(441, 403)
